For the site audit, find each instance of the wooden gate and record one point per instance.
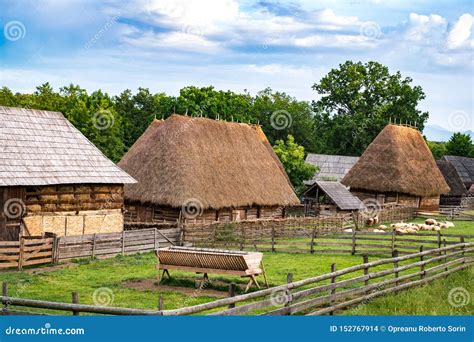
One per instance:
(26, 252)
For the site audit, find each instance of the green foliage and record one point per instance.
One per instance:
(438, 149)
(292, 157)
(357, 101)
(460, 145)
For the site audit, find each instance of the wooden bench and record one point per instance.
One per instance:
(206, 260)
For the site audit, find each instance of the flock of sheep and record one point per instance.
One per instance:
(412, 228)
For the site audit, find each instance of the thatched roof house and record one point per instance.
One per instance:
(52, 179)
(457, 189)
(398, 167)
(222, 170)
(331, 167)
(464, 167)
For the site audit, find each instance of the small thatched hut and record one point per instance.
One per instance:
(398, 167)
(52, 179)
(203, 169)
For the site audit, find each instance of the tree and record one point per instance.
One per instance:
(281, 115)
(291, 156)
(460, 145)
(357, 101)
(438, 149)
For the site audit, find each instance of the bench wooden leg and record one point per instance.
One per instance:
(255, 281)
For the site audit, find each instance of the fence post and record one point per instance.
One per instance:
(5, 294)
(21, 253)
(93, 245)
(161, 304)
(462, 248)
(395, 264)
(289, 280)
(75, 300)
(366, 269)
(393, 240)
(273, 238)
(57, 240)
(445, 258)
(313, 236)
(353, 241)
(123, 242)
(439, 240)
(333, 290)
(422, 266)
(231, 294)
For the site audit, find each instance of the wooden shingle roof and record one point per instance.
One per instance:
(39, 147)
(340, 195)
(330, 166)
(464, 167)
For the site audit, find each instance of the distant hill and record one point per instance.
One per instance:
(438, 133)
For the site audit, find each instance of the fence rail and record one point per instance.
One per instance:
(319, 295)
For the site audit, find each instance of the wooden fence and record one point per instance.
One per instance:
(278, 236)
(240, 231)
(339, 289)
(111, 244)
(26, 252)
(198, 232)
(319, 295)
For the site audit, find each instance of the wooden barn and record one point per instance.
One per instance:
(52, 179)
(398, 167)
(203, 169)
(325, 198)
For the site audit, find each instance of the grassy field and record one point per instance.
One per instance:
(130, 281)
(431, 299)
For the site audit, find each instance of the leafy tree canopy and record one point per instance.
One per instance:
(291, 156)
(357, 101)
(460, 145)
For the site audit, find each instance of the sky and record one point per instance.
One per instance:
(240, 45)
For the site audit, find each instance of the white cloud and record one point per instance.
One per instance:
(422, 27)
(461, 32)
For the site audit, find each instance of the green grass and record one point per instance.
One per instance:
(86, 276)
(431, 299)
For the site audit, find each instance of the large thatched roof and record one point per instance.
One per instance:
(39, 147)
(221, 164)
(398, 160)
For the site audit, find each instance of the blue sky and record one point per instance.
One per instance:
(166, 45)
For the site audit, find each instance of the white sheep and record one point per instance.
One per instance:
(430, 221)
(382, 226)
